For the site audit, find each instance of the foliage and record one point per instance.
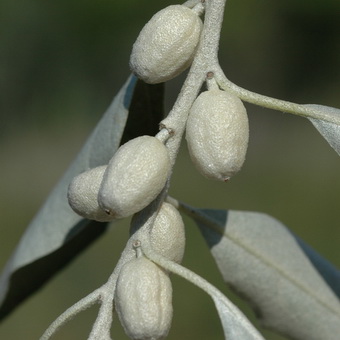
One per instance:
(46, 245)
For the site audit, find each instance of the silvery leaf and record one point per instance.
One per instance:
(235, 325)
(326, 269)
(57, 234)
(260, 258)
(330, 131)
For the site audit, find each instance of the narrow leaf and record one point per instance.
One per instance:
(260, 258)
(327, 270)
(57, 234)
(330, 131)
(235, 324)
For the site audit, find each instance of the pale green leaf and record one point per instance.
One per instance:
(235, 325)
(57, 234)
(326, 269)
(259, 257)
(330, 131)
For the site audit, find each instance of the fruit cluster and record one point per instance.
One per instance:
(217, 137)
(216, 131)
(133, 178)
(143, 296)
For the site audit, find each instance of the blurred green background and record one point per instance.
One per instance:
(62, 62)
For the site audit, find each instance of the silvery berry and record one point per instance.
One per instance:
(166, 45)
(134, 177)
(217, 134)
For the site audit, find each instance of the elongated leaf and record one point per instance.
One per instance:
(57, 234)
(234, 325)
(330, 131)
(262, 261)
(327, 270)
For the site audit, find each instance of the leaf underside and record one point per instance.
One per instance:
(327, 270)
(57, 235)
(234, 327)
(330, 131)
(263, 262)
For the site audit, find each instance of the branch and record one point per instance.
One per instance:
(273, 103)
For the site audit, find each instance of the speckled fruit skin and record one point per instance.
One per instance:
(83, 192)
(217, 134)
(167, 236)
(143, 300)
(134, 177)
(166, 45)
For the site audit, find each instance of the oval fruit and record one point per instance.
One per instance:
(217, 134)
(167, 235)
(143, 300)
(83, 192)
(166, 45)
(134, 177)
